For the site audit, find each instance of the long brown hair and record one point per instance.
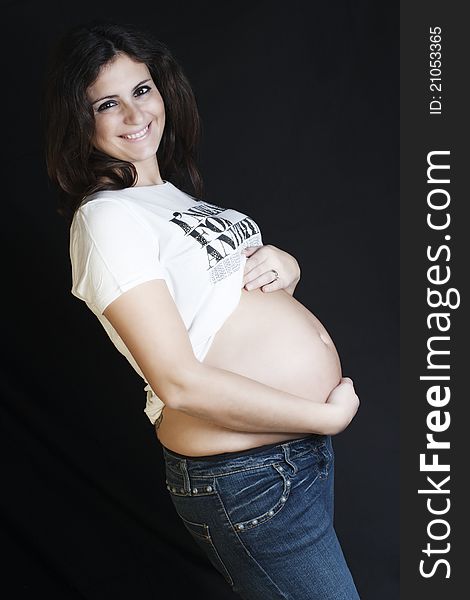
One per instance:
(77, 168)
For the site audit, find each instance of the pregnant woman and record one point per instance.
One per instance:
(244, 384)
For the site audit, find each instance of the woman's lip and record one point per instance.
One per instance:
(139, 138)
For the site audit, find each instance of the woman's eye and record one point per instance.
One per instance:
(144, 89)
(105, 105)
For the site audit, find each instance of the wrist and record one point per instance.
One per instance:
(293, 284)
(336, 420)
(327, 419)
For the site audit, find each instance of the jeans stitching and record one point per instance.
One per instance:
(246, 549)
(322, 447)
(229, 577)
(269, 514)
(206, 538)
(225, 474)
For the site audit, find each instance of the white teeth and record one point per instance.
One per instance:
(135, 136)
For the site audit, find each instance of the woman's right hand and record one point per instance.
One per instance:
(344, 397)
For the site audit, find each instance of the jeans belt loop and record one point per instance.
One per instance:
(286, 450)
(186, 479)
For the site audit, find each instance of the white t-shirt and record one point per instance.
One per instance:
(119, 239)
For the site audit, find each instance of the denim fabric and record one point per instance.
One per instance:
(264, 518)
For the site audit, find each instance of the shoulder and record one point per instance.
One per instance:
(105, 233)
(103, 212)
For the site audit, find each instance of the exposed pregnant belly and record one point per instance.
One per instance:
(274, 339)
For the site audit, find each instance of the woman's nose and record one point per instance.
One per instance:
(133, 115)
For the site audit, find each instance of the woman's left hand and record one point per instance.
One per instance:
(262, 264)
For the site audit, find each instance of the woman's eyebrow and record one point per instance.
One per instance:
(117, 95)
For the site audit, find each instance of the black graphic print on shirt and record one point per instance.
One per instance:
(219, 236)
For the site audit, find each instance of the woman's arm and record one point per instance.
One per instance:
(243, 404)
(258, 273)
(147, 320)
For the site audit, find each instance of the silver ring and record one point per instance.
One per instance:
(276, 274)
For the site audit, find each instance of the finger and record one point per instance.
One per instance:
(260, 270)
(271, 287)
(249, 250)
(254, 269)
(263, 280)
(251, 263)
(256, 254)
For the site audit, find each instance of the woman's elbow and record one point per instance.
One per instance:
(180, 386)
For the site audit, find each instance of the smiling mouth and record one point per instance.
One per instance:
(138, 135)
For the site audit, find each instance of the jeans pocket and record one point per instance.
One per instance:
(255, 495)
(201, 534)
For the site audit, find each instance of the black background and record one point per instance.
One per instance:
(300, 107)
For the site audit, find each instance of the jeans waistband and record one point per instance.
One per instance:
(259, 454)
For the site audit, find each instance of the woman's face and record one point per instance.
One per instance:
(129, 112)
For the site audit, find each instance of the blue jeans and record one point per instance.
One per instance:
(264, 518)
